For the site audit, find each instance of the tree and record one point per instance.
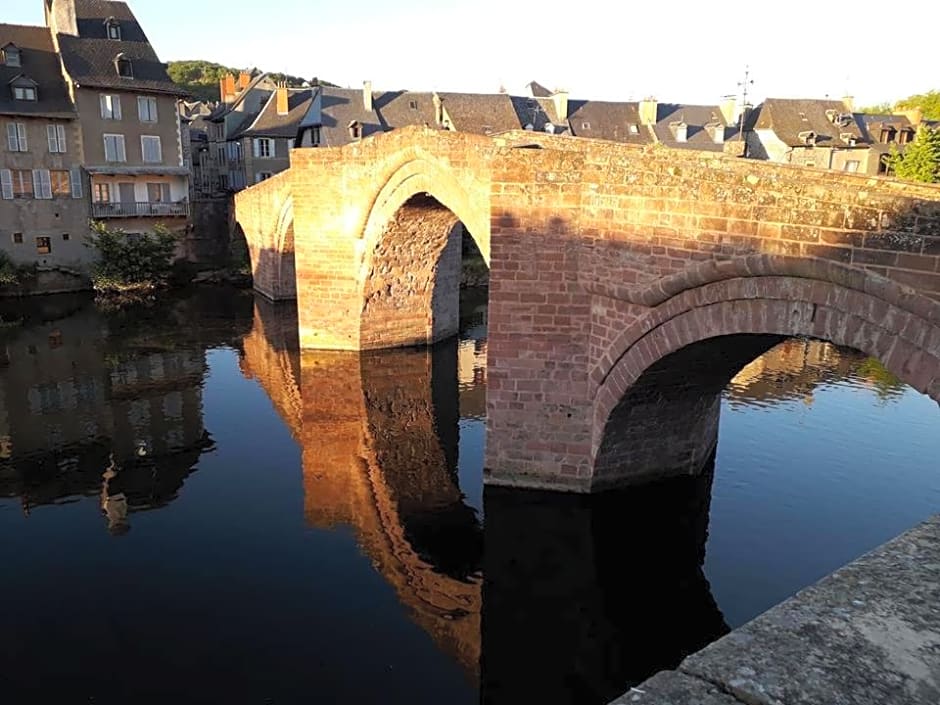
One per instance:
(130, 262)
(878, 109)
(928, 102)
(920, 161)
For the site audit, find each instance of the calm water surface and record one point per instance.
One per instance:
(191, 511)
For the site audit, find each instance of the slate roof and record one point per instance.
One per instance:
(537, 90)
(402, 108)
(480, 113)
(40, 63)
(270, 124)
(702, 121)
(787, 118)
(341, 106)
(89, 58)
(607, 121)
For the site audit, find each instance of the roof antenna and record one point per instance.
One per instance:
(744, 85)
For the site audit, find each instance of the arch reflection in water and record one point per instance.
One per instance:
(379, 443)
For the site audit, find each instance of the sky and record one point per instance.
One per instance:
(676, 51)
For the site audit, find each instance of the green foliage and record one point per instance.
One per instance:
(877, 109)
(201, 78)
(131, 262)
(11, 273)
(928, 102)
(920, 160)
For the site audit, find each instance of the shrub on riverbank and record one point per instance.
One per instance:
(12, 273)
(131, 264)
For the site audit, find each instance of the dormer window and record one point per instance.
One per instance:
(848, 138)
(113, 28)
(124, 67)
(808, 138)
(832, 115)
(11, 56)
(905, 136)
(24, 88)
(680, 130)
(718, 133)
(887, 135)
(355, 130)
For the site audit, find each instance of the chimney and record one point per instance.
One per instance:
(244, 78)
(227, 88)
(849, 103)
(915, 115)
(648, 109)
(367, 96)
(728, 108)
(438, 109)
(281, 98)
(560, 99)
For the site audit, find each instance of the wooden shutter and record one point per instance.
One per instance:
(60, 137)
(75, 179)
(116, 106)
(6, 184)
(13, 143)
(103, 101)
(256, 147)
(53, 139)
(21, 136)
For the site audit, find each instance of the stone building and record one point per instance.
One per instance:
(810, 132)
(43, 209)
(127, 108)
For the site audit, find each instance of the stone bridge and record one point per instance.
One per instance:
(613, 270)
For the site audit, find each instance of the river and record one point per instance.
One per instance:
(192, 511)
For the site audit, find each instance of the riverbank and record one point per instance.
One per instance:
(868, 633)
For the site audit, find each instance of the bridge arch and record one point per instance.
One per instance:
(747, 306)
(411, 254)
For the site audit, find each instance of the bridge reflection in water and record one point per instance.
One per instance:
(576, 601)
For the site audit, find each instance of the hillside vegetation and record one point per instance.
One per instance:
(928, 102)
(201, 78)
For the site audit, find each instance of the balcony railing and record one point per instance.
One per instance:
(140, 210)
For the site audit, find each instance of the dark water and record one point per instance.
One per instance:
(193, 512)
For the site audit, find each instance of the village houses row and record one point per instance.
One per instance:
(95, 129)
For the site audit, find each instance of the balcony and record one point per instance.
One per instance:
(180, 209)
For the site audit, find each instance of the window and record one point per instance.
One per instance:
(16, 137)
(262, 176)
(42, 184)
(43, 245)
(585, 126)
(66, 237)
(222, 151)
(22, 183)
(102, 193)
(223, 181)
(355, 130)
(113, 28)
(55, 339)
(158, 193)
(17, 238)
(24, 92)
(852, 165)
(634, 128)
(413, 104)
(56, 137)
(315, 136)
(263, 147)
(123, 66)
(110, 106)
(290, 144)
(150, 149)
(61, 183)
(11, 56)
(147, 109)
(114, 148)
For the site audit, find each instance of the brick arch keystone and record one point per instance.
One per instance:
(869, 313)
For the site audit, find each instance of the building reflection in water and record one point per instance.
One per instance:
(103, 404)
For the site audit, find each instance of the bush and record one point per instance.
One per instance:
(12, 273)
(131, 261)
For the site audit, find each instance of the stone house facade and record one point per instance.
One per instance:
(43, 205)
(127, 107)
